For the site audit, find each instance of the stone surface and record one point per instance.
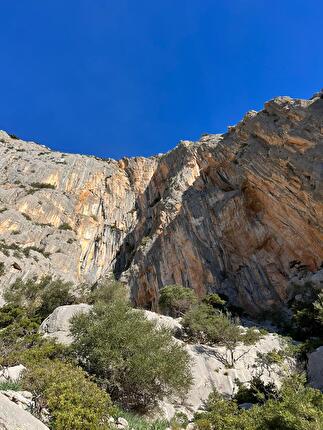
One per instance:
(13, 417)
(228, 213)
(315, 368)
(21, 398)
(164, 321)
(12, 373)
(210, 372)
(57, 324)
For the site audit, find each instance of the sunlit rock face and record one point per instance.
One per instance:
(228, 213)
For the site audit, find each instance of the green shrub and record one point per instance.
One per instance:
(40, 185)
(72, 399)
(2, 269)
(206, 324)
(175, 300)
(296, 407)
(9, 385)
(109, 291)
(256, 392)
(65, 226)
(39, 298)
(138, 363)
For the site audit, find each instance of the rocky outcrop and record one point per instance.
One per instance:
(315, 368)
(209, 367)
(57, 325)
(230, 213)
(13, 417)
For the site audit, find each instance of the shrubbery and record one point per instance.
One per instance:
(175, 300)
(296, 407)
(206, 324)
(137, 363)
(72, 399)
(39, 298)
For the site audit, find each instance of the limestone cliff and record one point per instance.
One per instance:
(231, 213)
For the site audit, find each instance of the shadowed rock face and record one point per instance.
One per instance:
(229, 213)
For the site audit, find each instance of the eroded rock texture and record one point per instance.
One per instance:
(230, 213)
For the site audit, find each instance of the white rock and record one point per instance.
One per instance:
(21, 398)
(164, 321)
(57, 324)
(13, 417)
(12, 373)
(315, 368)
(122, 423)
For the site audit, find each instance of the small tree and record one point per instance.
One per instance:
(72, 399)
(206, 324)
(175, 300)
(138, 363)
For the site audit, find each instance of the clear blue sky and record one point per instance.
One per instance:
(133, 77)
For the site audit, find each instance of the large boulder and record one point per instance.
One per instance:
(57, 324)
(315, 368)
(13, 417)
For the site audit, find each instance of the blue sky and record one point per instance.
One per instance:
(124, 78)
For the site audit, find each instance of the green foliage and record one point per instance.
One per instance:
(214, 300)
(73, 400)
(179, 421)
(138, 363)
(19, 332)
(39, 298)
(40, 185)
(108, 292)
(296, 407)
(209, 325)
(9, 385)
(138, 422)
(175, 300)
(2, 268)
(65, 226)
(256, 391)
(307, 320)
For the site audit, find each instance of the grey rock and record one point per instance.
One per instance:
(315, 368)
(57, 324)
(13, 417)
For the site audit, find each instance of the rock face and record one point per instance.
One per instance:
(13, 417)
(57, 324)
(315, 368)
(230, 213)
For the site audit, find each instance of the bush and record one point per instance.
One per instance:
(256, 392)
(206, 324)
(72, 399)
(109, 291)
(65, 226)
(138, 364)
(175, 300)
(296, 407)
(2, 268)
(40, 185)
(39, 298)
(9, 385)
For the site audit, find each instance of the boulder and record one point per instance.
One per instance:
(13, 417)
(12, 373)
(163, 321)
(57, 324)
(21, 398)
(315, 368)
